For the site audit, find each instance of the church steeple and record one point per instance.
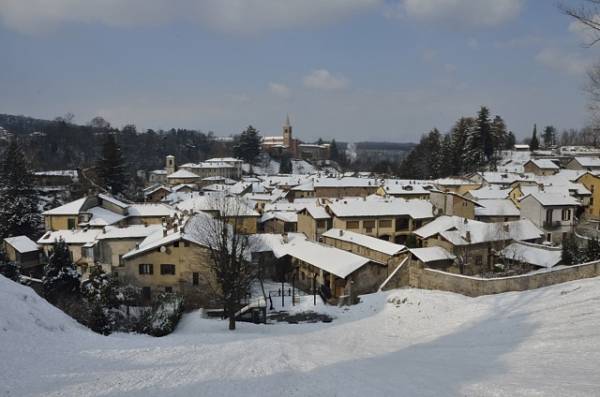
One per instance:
(287, 132)
(287, 121)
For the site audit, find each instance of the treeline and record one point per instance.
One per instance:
(64, 144)
(472, 144)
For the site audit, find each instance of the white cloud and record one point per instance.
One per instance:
(232, 16)
(568, 63)
(461, 13)
(473, 43)
(280, 90)
(322, 79)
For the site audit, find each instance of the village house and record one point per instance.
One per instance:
(345, 187)
(450, 203)
(335, 274)
(592, 182)
(381, 251)
(171, 260)
(80, 243)
(385, 218)
(587, 163)
(541, 167)
(24, 252)
(404, 189)
(455, 185)
(97, 211)
(502, 210)
(554, 213)
(182, 176)
(434, 257)
(279, 222)
(488, 193)
(156, 193)
(474, 243)
(313, 220)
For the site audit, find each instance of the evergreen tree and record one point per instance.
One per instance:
(433, 147)
(248, 146)
(446, 157)
(571, 254)
(285, 166)
(61, 278)
(534, 144)
(511, 140)
(549, 136)
(459, 137)
(592, 252)
(499, 137)
(19, 213)
(333, 151)
(473, 156)
(9, 269)
(98, 320)
(485, 132)
(110, 167)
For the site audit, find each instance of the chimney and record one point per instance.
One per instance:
(285, 238)
(164, 232)
(506, 227)
(468, 236)
(175, 227)
(341, 232)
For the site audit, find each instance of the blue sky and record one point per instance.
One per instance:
(347, 69)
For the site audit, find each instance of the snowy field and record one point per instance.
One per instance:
(399, 343)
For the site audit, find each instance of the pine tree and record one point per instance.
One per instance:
(534, 144)
(459, 137)
(434, 149)
(19, 212)
(499, 137)
(333, 151)
(110, 167)
(511, 140)
(485, 132)
(9, 269)
(592, 250)
(248, 145)
(61, 278)
(549, 136)
(97, 319)
(446, 156)
(473, 155)
(285, 166)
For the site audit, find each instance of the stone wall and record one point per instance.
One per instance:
(474, 286)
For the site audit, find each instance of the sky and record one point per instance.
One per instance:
(353, 70)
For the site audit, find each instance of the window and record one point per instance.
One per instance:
(549, 237)
(401, 223)
(548, 216)
(385, 223)
(566, 215)
(352, 224)
(169, 290)
(195, 278)
(146, 268)
(478, 260)
(321, 223)
(121, 263)
(369, 225)
(186, 243)
(71, 223)
(176, 244)
(167, 269)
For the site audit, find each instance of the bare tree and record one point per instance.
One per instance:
(587, 13)
(229, 250)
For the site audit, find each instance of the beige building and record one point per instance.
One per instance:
(541, 167)
(450, 203)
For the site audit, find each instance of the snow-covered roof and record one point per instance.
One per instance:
(68, 173)
(373, 243)
(534, 254)
(72, 208)
(502, 207)
(316, 211)
(489, 193)
(182, 174)
(588, 161)
(432, 254)
(265, 242)
(552, 199)
(545, 164)
(132, 232)
(150, 210)
(333, 260)
(237, 206)
(149, 190)
(223, 160)
(77, 236)
(403, 187)
(462, 231)
(22, 244)
(378, 206)
(454, 182)
(346, 182)
(102, 217)
(112, 200)
(285, 216)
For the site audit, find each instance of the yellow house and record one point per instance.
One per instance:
(592, 183)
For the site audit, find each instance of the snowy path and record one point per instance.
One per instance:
(542, 342)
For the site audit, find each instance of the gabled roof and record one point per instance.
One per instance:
(22, 244)
(432, 254)
(77, 236)
(373, 243)
(534, 254)
(182, 174)
(72, 208)
(379, 206)
(588, 161)
(285, 216)
(544, 164)
(112, 200)
(552, 199)
(502, 207)
(333, 260)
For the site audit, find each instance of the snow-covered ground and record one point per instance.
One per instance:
(404, 342)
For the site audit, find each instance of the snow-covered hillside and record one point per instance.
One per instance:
(404, 342)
